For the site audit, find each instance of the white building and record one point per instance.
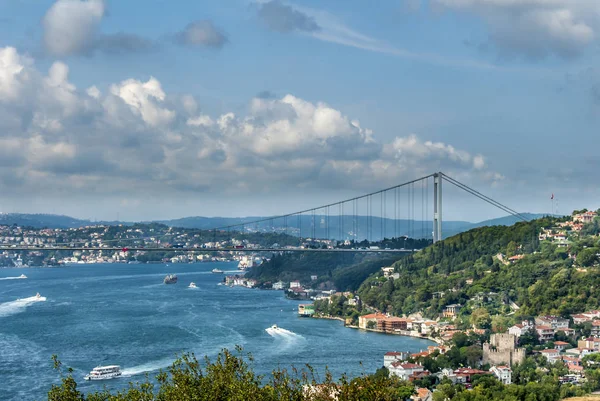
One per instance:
(404, 370)
(391, 357)
(278, 285)
(503, 373)
(295, 284)
(520, 329)
(552, 355)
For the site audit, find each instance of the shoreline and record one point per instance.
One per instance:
(437, 341)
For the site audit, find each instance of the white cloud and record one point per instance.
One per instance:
(136, 137)
(71, 25)
(535, 28)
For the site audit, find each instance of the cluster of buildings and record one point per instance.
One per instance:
(398, 365)
(240, 281)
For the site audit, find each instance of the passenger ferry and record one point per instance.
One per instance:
(104, 373)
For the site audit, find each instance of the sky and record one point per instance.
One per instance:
(156, 109)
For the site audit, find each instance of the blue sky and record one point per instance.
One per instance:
(161, 109)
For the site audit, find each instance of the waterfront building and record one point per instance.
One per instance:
(363, 321)
(295, 284)
(306, 310)
(280, 285)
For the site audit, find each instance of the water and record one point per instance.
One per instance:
(122, 314)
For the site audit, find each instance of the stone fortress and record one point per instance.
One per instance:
(502, 350)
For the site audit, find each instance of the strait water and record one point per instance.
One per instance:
(123, 314)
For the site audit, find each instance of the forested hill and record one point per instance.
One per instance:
(467, 270)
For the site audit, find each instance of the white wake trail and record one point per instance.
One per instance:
(18, 306)
(147, 367)
(13, 278)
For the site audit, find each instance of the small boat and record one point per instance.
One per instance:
(192, 285)
(274, 327)
(104, 373)
(170, 279)
(37, 295)
(22, 276)
(217, 271)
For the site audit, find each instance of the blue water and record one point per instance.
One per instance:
(123, 314)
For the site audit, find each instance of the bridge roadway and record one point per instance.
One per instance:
(207, 250)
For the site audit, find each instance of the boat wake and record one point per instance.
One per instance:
(18, 306)
(284, 335)
(22, 277)
(147, 367)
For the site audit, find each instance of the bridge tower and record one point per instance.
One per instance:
(437, 207)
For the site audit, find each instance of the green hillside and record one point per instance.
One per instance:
(548, 278)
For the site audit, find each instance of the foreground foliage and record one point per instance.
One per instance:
(230, 377)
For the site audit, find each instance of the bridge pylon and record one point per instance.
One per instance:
(437, 207)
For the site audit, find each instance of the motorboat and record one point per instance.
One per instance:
(170, 279)
(192, 285)
(104, 373)
(215, 270)
(22, 276)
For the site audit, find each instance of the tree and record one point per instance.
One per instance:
(480, 318)
(371, 324)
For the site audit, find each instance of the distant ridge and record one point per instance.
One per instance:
(416, 228)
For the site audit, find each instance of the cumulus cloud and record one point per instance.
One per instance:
(284, 18)
(133, 136)
(201, 33)
(73, 27)
(535, 28)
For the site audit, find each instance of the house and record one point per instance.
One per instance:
(422, 394)
(584, 218)
(387, 271)
(551, 355)
(404, 370)
(278, 285)
(393, 356)
(313, 277)
(448, 374)
(595, 328)
(363, 321)
(465, 375)
(451, 310)
(519, 329)
(589, 343)
(557, 323)
(593, 314)
(515, 259)
(502, 373)
(295, 284)
(561, 345)
(578, 319)
(545, 333)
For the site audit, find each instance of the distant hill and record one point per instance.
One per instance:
(306, 225)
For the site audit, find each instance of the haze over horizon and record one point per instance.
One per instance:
(122, 110)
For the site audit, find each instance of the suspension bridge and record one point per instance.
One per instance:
(409, 210)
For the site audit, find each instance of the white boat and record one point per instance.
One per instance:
(22, 276)
(217, 270)
(104, 373)
(274, 327)
(192, 285)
